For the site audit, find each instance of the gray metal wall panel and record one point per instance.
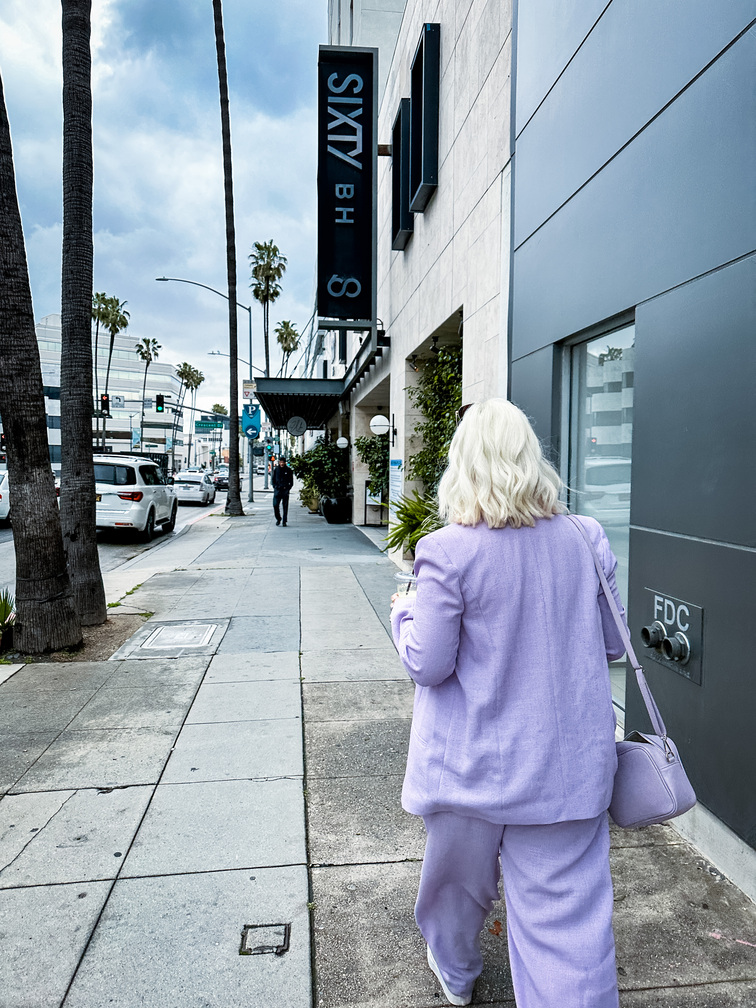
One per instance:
(711, 723)
(607, 94)
(677, 202)
(695, 417)
(534, 386)
(548, 35)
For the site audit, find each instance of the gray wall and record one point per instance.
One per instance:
(634, 190)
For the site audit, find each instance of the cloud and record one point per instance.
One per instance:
(158, 199)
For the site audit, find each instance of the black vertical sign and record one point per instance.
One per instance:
(346, 181)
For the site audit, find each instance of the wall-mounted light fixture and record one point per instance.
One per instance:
(412, 361)
(380, 425)
(434, 345)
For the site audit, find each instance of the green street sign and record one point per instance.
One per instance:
(204, 425)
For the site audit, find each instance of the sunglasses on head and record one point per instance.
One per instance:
(462, 410)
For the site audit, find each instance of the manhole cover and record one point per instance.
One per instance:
(173, 640)
(171, 637)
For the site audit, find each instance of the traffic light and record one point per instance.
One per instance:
(105, 404)
(159, 403)
(3, 449)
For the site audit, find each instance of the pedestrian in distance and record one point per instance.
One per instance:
(512, 752)
(283, 481)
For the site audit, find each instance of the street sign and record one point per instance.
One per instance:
(117, 401)
(206, 425)
(248, 390)
(251, 421)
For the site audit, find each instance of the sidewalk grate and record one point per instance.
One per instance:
(265, 939)
(169, 639)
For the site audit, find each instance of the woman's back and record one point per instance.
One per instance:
(518, 726)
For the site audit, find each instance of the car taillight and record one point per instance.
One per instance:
(134, 495)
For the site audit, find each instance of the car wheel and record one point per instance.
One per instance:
(212, 499)
(170, 525)
(149, 527)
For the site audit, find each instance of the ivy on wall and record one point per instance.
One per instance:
(438, 396)
(374, 453)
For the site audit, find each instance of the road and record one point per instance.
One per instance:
(114, 548)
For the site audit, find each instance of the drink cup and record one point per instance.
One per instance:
(406, 583)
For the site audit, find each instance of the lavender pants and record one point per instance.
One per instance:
(559, 899)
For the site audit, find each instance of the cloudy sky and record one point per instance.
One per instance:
(158, 191)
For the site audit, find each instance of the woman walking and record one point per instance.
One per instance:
(512, 751)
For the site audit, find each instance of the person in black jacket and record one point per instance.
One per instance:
(283, 480)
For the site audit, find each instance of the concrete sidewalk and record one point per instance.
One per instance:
(228, 782)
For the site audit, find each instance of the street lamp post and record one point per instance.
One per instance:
(248, 310)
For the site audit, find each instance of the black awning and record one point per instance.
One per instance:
(313, 399)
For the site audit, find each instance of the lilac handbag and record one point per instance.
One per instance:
(650, 785)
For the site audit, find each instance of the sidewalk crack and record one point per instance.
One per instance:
(36, 834)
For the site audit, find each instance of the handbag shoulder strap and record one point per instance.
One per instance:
(648, 698)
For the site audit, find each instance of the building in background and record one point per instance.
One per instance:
(587, 234)
(122, 428)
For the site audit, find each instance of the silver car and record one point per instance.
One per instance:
(132, 494)
(194, 488)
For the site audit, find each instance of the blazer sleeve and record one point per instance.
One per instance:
(426, 626)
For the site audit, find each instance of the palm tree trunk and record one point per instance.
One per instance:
(77, 498)
(45, 613)
(144, 390)
(266, 317)
(233, 498)
(96, 376)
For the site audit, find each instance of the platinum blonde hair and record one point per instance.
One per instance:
(497, 472)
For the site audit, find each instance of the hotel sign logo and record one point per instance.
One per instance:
(346, 181)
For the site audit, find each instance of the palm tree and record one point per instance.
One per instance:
(184, 372)
(147, 349)
(100, 304)
(193, 382)
(288, 340)
(116, 321)
(268, 266)
(77, 498)
(46, 618)
(233, 498)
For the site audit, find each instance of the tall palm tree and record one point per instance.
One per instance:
(77, 497)
(193, 383)
(233, 498)
(288, 340)
(100, 308)
(46, 618)
(268, 266)
(147, 349)
(117, 320)
(184, 373)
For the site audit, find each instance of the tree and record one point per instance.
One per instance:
(100, 308)
(268, 266)
(147, 349)
(191, 379)
(77, 496)
(288, 340)
(46, 618)
(219, 408)
(117, 320)
(185, 374)
(233, 498)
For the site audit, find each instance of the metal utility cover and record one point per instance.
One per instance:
(265, 939)
(174, 639)
(181, 635)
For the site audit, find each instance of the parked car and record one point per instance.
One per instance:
(4, 497)
(220, 478)
(194, 488)
(606, 491)
(132, 493)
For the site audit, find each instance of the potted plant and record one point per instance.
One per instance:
(325, 466)
(414, 518)
(7, 619)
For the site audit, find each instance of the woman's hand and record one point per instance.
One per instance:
(394, 597)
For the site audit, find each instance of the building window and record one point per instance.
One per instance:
(424, 118)
(402, 220)
(601, 379)
(53, 422)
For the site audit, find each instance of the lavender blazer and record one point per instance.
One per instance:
(507, 640)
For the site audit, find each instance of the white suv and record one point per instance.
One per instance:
(133, 494)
